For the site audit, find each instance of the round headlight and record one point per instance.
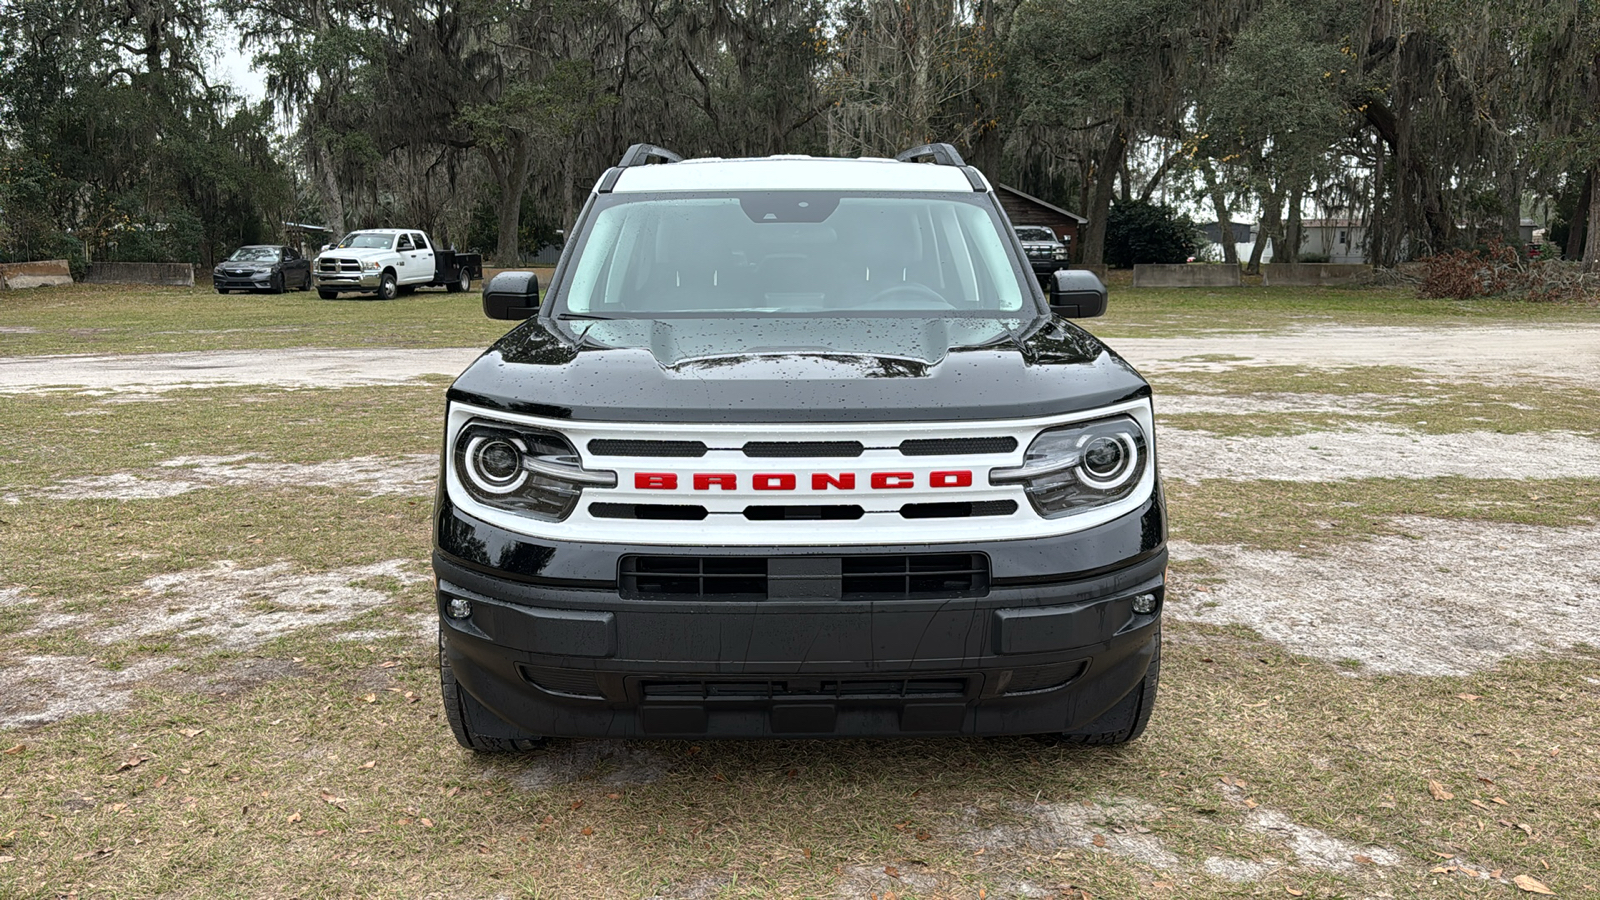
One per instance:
(494, 463)
(1107, 460)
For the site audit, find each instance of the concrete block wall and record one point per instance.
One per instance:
(34, 274)
(1186, 275)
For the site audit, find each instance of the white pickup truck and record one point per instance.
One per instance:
(387, 262)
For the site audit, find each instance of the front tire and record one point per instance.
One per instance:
(278, 286)
(327, 294)
(469, 719)
(388, 287)
(1125, 721)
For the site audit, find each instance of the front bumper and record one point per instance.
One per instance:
(253, 282)
(553, 647)
(347, 281)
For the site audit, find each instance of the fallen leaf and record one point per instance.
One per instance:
(118, 807)
(368, 764)
(6, 859)
(1438, 791)
(104, 852)
(807, 852)
(1470, 698)
(1361, 859)
(613, 796)
(1098, 840)
(1498, 800)
(426, 822)
(577, 805)
(411, 697)
(294, 817)
(1525, 828)
(587, 831)
(370, 698)
(923, 836)
(15, 749)
(1531, 885)
(1478, 803)
(389, 664)
(891, 871)
(160, 781)
(453, 791)
(132, 762)
(1294, 893)
(191, 732)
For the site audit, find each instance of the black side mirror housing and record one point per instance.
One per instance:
(1077, 294)
(511, 295)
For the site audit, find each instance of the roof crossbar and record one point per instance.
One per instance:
(642, 154)
(941, 154)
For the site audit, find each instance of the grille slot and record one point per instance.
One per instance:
(693, 577)
(797, 449)
(956, 446)
(812, 689)
(685, 512)
(958, 510)
(802, 513)
(915, 576)
(610, 447)
(563, 681)
(1042, 678)
(918, 576)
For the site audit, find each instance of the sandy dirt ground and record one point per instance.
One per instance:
(1486, 353)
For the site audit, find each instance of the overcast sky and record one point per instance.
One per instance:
(233, 65)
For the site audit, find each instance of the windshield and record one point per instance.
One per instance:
(793, 253)
(1036, 234)
(367, 241)
(254, 254)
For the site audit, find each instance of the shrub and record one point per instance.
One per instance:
(1138, 231)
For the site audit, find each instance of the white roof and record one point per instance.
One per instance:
(791, 173)
(383, 230)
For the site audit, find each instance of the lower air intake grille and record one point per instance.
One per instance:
(912, 576)
(958, 510)
(807, 689)
(684, 512)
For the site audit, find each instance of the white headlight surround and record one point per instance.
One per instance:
(529, 472)
(1075, 468)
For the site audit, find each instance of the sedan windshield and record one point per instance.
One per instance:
(255, 254)
(793, 253)
(367, 241)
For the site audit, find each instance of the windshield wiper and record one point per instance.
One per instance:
(563, 317)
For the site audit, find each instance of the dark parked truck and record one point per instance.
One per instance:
(797, 446)
(387, 262)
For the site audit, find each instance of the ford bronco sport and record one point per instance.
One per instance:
(797, 446)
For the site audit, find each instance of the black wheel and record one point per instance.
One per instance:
(1125, 721)
(277, 285)
(326, 294)
(222, 290)
(305, 284)
(388, 287)
(462, 283)
(469, 720)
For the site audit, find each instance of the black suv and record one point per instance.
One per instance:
(797, 446)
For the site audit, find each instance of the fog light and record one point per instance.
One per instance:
(459, 608)
(1144, 604)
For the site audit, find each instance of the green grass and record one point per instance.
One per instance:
(1170, 312)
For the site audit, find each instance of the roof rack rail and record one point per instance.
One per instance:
(944, 155)
(641, 154)
(636, 155)
(941, 154)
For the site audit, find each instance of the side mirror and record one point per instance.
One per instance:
(326, 247)
(1077, 294)
(512, 295)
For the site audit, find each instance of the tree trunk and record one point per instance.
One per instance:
(1108, 170)
(1264, 232)
(1591, 246)
(1580, 219)
(327, 188)
(1293, 235)
(1219, 202)
(510, 169)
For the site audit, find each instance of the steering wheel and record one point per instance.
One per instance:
(906, 296)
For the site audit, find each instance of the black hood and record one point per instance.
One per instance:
(741, 369)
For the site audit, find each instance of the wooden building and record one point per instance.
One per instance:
(1026, 209)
